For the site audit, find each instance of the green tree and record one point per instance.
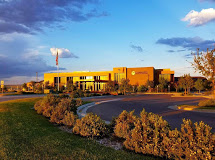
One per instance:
(32, 84)
(162, 84)
(46, 85)
(70, 86)
(204, 62)
(176, 86)
(150, 84)
(24, 86)
(124, 85)
(110, 86)
(199, 85)
(186, 82)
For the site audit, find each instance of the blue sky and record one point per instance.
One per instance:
(97, 35)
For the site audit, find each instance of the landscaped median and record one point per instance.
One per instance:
(207, 106)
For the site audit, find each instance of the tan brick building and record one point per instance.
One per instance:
(96, 81)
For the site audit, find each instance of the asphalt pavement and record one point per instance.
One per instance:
(157, 104)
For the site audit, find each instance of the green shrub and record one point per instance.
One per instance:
(90, 126)
(148, 134)
(60, 110)
(46, 104)
(197, 140)
(142, 88)
(79, 102)
(124, 124)
(69, 119)
(207, 103)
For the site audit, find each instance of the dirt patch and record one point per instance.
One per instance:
(105, 141)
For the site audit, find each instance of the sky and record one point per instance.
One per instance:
(97, 35)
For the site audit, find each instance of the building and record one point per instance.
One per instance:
(96, 81)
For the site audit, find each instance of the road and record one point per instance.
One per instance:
(157, 104)
(8, 98)
(152, 103)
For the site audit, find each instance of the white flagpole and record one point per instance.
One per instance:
(58, 88)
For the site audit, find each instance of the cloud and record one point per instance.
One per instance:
(200, 18)
(20, 57)
(62, 53)
(207, 0)
(172, 51)
(187, 43)
(32, 16)
(136, 48)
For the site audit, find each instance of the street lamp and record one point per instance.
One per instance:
(157, 88)
(169, 88)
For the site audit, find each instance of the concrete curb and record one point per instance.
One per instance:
(175, 107)
(82, 110)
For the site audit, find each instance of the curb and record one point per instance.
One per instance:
(175, 107)
(82, 110)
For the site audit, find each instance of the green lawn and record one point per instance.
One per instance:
(26, 135)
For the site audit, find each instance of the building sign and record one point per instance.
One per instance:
(133, 72)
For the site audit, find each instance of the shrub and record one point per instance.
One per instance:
(69, 119)
(142, 88)
(79, 102)
(46, 104)
(207, 103)
(197, 140)
(124, 124)
(90, 126)
(148, 134)
(60, 110)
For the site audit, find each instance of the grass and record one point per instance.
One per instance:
(26, 135)
(192, 107)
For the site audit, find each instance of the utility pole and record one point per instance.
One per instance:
(36, 76)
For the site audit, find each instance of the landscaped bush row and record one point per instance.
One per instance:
(147, 134)
(150, 134)
(62, 110)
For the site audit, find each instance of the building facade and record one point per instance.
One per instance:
(97, 81)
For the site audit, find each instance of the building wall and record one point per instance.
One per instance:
(139, 76)
(97, 80)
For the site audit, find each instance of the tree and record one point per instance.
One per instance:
(124, 85)
(176, 86)
(150, 84)
(204, 62)
(110, 86)
(186, 82)
(162, 84)
(24, 86)
(199, 85)
(70, 86)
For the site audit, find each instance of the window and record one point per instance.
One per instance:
(56, 79)
(165, 76)
(69, 78)
(96, 77)
(83, 77)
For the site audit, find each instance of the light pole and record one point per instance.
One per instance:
(157, 88)
(169, 88)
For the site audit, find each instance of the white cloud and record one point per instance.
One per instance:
(200, 18)
(62, 53)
